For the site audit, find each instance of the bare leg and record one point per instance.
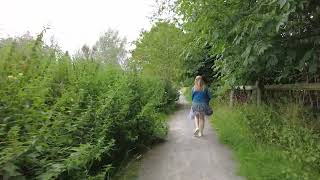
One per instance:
(201, 124)
(196, 122)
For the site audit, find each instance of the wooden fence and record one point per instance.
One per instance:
(305, 93)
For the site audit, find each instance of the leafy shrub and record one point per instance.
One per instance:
(271, 142)
(72, 119)
(285, 126)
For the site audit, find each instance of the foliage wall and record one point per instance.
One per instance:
(63, 118)
(270, 142)
(274, 41)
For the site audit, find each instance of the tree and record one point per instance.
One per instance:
(86, 51)
(158, 52)
(110, 48)
(271, 41)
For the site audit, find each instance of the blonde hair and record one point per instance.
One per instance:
(199, 84)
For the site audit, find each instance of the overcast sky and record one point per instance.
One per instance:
(75, 22)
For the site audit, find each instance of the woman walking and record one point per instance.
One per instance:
(200, 104)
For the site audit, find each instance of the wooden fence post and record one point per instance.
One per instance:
(231, 97)
(258, 93)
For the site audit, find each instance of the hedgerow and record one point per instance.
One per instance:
(270, 142)
(64, 118)
(287, 126)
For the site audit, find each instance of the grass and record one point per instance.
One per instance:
(130, 171)
(256, 161)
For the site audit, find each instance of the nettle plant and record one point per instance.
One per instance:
(64, 118)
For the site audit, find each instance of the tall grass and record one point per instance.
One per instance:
(268, 142)
(63, 118)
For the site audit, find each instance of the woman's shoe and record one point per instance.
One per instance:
(200, 134)
(196, 132)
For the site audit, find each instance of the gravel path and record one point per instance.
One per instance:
(185, 157)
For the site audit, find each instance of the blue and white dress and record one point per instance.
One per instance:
(200, 102)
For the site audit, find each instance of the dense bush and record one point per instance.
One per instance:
(270, 142)
(286, 127)
(69, 118)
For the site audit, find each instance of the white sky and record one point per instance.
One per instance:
(75, 22)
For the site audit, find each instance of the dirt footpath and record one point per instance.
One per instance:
(185, 157)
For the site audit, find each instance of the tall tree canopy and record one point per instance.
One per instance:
(274, 41)
(109, 49)
(158, 52)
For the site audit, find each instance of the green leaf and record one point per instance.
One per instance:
(247, 52)
(251, 59)
(215, 35)
(306, 58)
(263, 47)
(313, 66)
(282, 3)
(11, 170)
(272, 61)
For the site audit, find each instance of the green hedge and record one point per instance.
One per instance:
(288, 127)
(72, 119)
(271, 142)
